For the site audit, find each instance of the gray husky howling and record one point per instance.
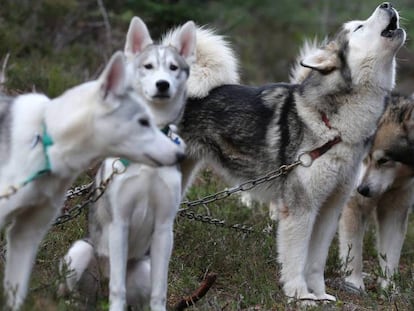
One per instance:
(326, 120)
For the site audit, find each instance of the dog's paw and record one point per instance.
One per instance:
(305, 300)
(325, 297)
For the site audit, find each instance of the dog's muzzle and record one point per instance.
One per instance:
(392, 27)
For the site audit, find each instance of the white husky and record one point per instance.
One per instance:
(46, 143)
(132, 225)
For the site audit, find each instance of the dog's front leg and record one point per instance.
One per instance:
(160, 256)
(392, 220)
(294, 230)
(167, 200)
(23, 238)
(118, 252)
(322, 234)
(352, 226)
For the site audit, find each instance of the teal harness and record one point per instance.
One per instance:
(46, 141)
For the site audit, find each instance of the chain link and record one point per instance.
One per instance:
(245, 186)
(93, 196)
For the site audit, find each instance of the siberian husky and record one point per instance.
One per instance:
(386, 191)
(247, 132)
(46, 143)
(131, 227)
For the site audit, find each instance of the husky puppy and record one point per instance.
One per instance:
(46, 143)
(131, 227)
(246, 132)
(386, 191)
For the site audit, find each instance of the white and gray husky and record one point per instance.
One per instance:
(131, 227)
(386, 191)
(46, 143)
(329, 117)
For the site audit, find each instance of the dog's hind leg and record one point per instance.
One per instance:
(74, 265)
(189, 168)
(392, 222)
(139, 282)
(23, 238)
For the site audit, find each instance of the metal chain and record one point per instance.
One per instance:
(250, 184)
(79, 190)
(97, 192)
(245, 186)
(92, 197)
(191, 215)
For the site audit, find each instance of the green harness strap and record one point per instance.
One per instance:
(46, 141)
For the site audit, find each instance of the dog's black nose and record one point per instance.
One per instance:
(364, 190)
(386, 5)
(162, 85)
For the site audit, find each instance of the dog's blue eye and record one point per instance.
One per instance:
(173, 67)
(359, 27)
(148, 66)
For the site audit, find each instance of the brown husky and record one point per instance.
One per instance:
(386, 191)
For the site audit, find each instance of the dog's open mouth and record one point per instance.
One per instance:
(392, 26)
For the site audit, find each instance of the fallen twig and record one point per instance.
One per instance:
(198, 294)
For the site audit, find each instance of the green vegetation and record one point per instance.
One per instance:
(56, 44)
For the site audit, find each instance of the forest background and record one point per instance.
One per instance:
(55, 44)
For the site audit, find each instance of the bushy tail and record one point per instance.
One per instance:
(299, 73)
(216, 62)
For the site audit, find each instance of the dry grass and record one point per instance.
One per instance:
(245, 264)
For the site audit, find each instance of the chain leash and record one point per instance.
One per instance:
(93, 195)
(207, 219)
(79, 190)
(247, 185)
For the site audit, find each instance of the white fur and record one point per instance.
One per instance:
(85, 126)
(209, 71)
(143, 202)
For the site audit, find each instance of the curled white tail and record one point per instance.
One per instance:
(216, 63)
(298, 73)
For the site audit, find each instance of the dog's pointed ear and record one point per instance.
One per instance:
(137, 38)
(186, 42)
(113, 79)
(323, 60)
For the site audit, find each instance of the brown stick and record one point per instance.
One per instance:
(198, 294)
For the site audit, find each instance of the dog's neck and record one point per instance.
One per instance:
(73, 148)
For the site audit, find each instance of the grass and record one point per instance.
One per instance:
(245, 264)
